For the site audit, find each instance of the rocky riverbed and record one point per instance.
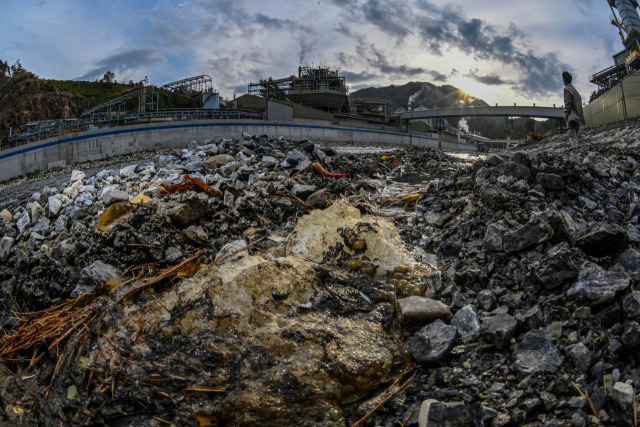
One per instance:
(228, 284)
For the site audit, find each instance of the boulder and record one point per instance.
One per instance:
(6, 243)
(303, 191)
(556, 268)
(537, 354)
(550, 181)
(466, 321)
(76, 175)
(596, 286)
(113, 195)
(93, 276)
(493, 237)
(6, 216)
(602, 239)
(189, 210)
(631, 305)
(433, 342)
(499, 329)
(416, 309)
(534, 232)
(54, 204)
(221, 159)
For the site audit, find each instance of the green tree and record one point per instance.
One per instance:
(17, 68)
(109, 77)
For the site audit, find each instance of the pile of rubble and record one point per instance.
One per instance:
(229, 283)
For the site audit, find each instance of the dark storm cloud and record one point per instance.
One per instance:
(437, 77)
(442, 28)
(124, 62)
(379, 61)
(358, 77)
(387, 16)
(490, 79)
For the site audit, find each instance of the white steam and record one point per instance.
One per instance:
(463, 125)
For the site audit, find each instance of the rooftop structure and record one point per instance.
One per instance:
(314, 87)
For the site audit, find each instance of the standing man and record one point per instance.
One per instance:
(573, 115)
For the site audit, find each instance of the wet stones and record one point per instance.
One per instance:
(499, 329)
(433, 342)
(416, 309)
(602, 239)
(537, 354)
(596, 286)
(534, 232)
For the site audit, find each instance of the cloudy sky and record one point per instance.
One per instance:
(503, 51)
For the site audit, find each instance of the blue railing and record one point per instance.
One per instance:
(36, 131)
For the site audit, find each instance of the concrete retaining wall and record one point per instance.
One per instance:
(109, 142)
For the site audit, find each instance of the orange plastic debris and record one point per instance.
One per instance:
(189, 183)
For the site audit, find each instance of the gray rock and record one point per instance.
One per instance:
(195, 234)
(193, 145)
(295, 157)
(269, 162)
(60, 223)
(303, 191)
(54, 204)
(580, 355)
(466, 321)
(195, 166)
(633, 233)
(534, 232)
(416, 309)
(433, 342)
(190, 210)
(557, 268)
(499, 329)
(76, 175)
(440, 414)
(35, 211)
(486, 300)
(587, 203)
(94, 276)
(173, 254)
(630, 261)
(602, 239)
(6, 243)
(113, 195)
(550, 181)
(631, 335)
(596, 286)
(537, 354)
(493, 237)
(230, 250)
(512, 170)
(222, 159)
(128, 172)
(494, 159)
(622, 395)
(23, 222)
(85, 199)
(631, 305)
(319, 199)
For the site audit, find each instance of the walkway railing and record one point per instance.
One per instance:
(36, 131)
